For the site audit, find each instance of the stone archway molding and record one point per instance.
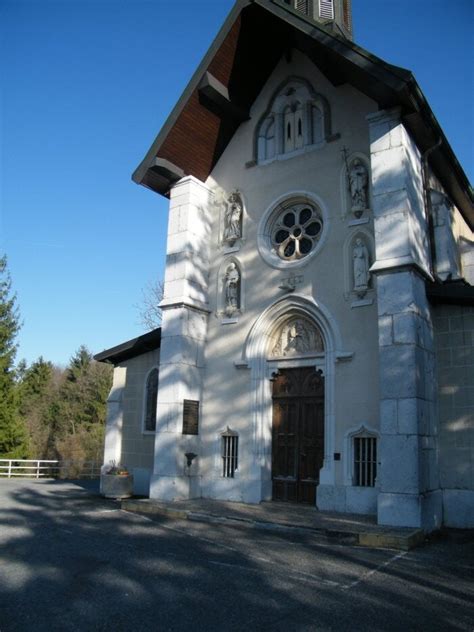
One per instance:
(262, 331)
(256, 358)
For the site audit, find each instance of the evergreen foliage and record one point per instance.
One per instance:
(47, 412)
(13, 437)
(65, 409)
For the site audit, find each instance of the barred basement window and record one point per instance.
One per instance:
(365, 461)
(230, 453)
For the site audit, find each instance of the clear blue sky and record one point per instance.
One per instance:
(86, 86)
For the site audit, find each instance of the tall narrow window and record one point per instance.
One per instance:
(299, 140)
(317, 134)
(151, 396)
(266, 139)
(230, 453)
(289, 122)
(365, 461)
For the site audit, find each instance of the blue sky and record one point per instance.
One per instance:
(86, 86)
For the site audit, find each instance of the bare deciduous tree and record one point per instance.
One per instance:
(148, 309)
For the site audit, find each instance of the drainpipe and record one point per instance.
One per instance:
(427, 200)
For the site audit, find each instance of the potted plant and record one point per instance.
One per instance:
(116, 481)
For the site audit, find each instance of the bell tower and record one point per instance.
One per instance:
(333, 14)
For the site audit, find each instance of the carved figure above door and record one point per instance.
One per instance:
(297, 337)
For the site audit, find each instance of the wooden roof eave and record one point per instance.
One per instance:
(147, 173)
(140, 172)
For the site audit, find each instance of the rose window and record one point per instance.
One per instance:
(296, 231)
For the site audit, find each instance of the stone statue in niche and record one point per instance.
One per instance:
(233, 219)
(358, 186)
(361, 265)
(232, 289)
(447, 264)
(298, 337)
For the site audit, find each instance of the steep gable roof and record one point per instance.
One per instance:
(231, 75)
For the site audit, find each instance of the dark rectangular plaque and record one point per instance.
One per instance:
(190, 417)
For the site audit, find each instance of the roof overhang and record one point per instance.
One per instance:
(231, 75)
(450, 293)
(132, 348)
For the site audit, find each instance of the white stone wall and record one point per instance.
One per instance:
(241, 398)
(454, 339)
(183, 336)
(126, 442)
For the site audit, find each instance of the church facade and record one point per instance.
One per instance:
(318, 313)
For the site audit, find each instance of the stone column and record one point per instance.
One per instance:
(409, 490)
(184, 327)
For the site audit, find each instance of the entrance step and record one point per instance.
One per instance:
(285, 518)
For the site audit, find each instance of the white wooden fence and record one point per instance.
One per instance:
(40, 468)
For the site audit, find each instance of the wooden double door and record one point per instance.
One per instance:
(297, 434)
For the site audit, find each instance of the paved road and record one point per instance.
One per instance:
(72, 561)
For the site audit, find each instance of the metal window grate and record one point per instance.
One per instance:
(326, 9)
(230, 454)
(365, 461)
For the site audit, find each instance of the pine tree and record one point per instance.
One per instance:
(13, 437)
(81, 407)
(36, 392)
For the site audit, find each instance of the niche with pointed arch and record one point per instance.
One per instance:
(230, 289)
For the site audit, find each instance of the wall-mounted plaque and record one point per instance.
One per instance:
(190, 417)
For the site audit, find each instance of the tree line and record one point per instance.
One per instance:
(46, 411)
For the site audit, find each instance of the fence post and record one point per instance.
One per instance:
(37, 469)
(9, 469)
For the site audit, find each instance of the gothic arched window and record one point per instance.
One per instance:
(266, 139)
(151, 397)
(317, 121)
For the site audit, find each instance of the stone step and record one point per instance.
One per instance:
(370, 536)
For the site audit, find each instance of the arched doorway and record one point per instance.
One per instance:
(297, 434)
(293, 333)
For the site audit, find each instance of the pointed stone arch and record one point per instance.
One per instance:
(257, 357)
(262, 332)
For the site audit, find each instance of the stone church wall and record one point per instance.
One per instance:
(229, 392)
(126, 442)
(454, 339)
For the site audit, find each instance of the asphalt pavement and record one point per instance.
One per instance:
(72, 561)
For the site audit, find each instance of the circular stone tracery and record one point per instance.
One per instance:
(296, 231)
